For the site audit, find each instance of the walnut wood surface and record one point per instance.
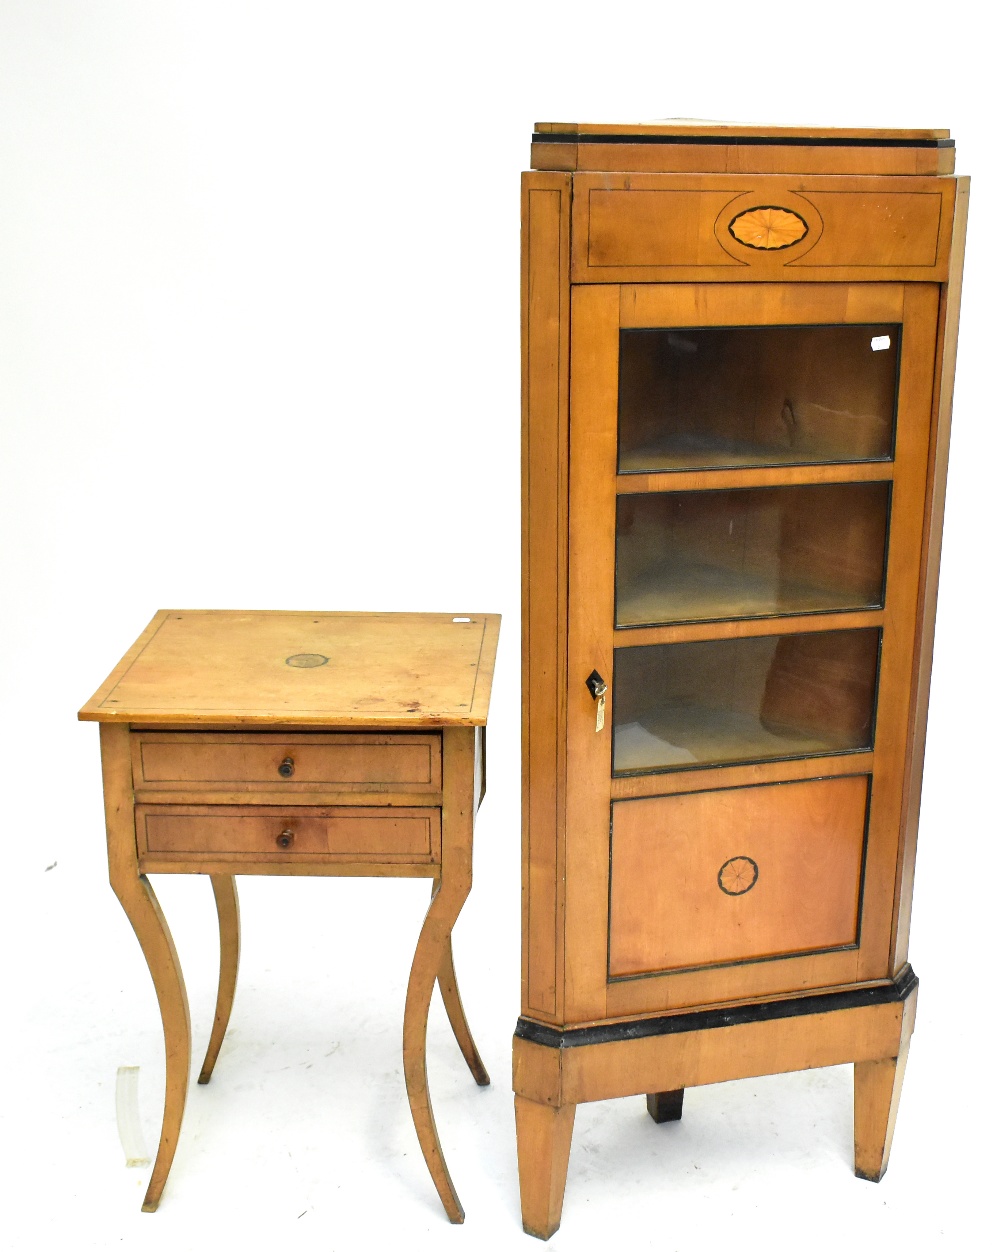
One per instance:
(380, 669)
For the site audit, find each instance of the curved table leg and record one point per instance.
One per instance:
(143, 910)
(228, 905)
(448, 984)
(434, 936)
(450, 893)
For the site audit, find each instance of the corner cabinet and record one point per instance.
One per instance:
(738, 350)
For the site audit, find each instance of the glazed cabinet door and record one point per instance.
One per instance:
(748, 467)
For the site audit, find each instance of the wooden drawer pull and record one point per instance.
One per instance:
(287, 767)
(285, 839)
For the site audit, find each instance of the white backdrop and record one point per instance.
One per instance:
(259, 349)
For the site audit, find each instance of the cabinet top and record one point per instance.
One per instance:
(691, 145)
(692, 128)
(407, 670)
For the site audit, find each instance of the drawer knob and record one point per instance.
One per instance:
(287, 767)
(286, 838)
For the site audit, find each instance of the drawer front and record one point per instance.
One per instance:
(378, 835)
(654, 228)
(742, 874)
(293, 763)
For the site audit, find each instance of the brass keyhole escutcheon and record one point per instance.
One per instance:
(287, 767)
(286, 838)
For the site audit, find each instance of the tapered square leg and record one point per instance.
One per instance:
(544, 1135)
(665, 1106)
(877, 1087)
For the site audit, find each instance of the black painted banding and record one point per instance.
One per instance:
(715, 1019)
(764, 141)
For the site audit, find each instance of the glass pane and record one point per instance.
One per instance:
(702, 555)
(755, 395)
(679, 705)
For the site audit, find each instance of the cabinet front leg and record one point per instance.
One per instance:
(877, 1087)
(143, 910)
(544, 1135)
(228, 906)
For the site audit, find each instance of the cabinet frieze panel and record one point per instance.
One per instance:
(651, 228)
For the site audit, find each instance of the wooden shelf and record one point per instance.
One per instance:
(676, 591)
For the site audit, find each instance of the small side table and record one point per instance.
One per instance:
(297, 743)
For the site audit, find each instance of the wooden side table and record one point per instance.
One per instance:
(297, 743)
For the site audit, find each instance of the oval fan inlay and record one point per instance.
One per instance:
(767, 228)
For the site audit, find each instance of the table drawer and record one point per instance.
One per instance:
(382, 835)
(292, 763)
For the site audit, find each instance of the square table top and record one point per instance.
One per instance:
(228, 668)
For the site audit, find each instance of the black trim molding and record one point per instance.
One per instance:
(716, 1019)
(760, 141)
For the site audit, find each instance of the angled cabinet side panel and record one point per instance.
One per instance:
(937, 471)
(545, 224)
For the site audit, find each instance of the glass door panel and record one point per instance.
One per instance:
(711, 397)
(773, 697)
(760, 552)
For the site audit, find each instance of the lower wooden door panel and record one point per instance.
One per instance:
(743, 874)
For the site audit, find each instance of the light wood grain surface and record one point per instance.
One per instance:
(204, 667)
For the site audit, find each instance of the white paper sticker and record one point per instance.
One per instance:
(880, 343)
(127, 1109)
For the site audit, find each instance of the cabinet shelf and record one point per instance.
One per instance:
(760, 698)
(675, 591)
(751, 552)
(724, 397)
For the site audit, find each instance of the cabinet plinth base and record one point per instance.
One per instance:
(556, 1069)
